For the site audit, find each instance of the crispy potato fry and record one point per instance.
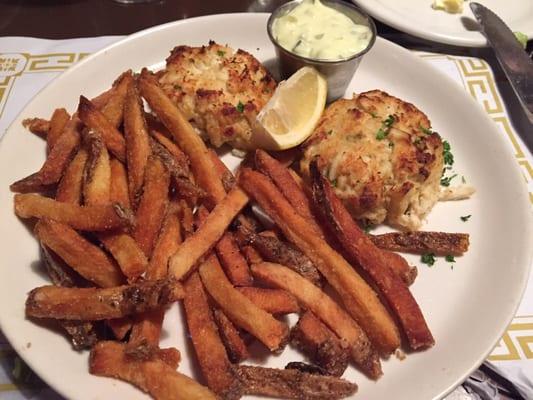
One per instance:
(94, 119)
(360, 300)
(152, 205)
(84, 257)
(119, 326)
(137, 140)
(119, 184)
(85, 218)
(70, 186)
(38, 126)
(315, 300)
(92, 304)
(113, 109)
(239, 309)
(31, 184)
(233, 262)
(147, 328)
(185, 136)
(205, 238)
(362, 252)
(293, 384)
(59, 120)
(126, 252)
(97, 174)
(273, 301)
(235, 346)
(400, 267)
(210, 352)
(439, 243)
(251, 255)
(151, 375)
(226, 176)
(320, 344)
(172, 148)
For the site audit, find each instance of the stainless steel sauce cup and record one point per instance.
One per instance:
(338, 73)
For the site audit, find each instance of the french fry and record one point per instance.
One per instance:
(273, 301)
(126, 252)
(119, 326)
(400, 267)
(85, 218)
(94, 119)
(151, 375)
(315, 300)
(207, 236)
(70, 186)
(239, 309)
(38, 126)
(293, 384)
(172, 148)
(30, 184)
(251, 255)
(210, 352)
(362, 252)
(137, 140)
(360, 300)
(235, 346)
(439, 243)
(84, 257)
(97, 175)
(93, 304)
(152, 205)
(59, 120)
(119, 184)
(185, 136)
(147, 328)
(113, 109)
(233, 262)
(226, 176)
(320, 344)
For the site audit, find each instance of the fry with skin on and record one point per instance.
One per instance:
(172, 148)
(94, 119)
(59, 120)
(361, 302)
(210, 352)
(318, 302)
(362, 252)
(151, 375)
(320, 344)
(235, 346)
(70, 186)
(137, 140)
(147, 328)
(239, 309)
(118, 192)
(207, 236)
(38, 126)
(293, 384)
(185, 136)
(92, 304)
(97, 175)
(152, 205)
(233, 262)
(113, 109)
(439, 243)
(84, 257)
(273, 301)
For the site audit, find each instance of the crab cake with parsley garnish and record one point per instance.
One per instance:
(381, 156)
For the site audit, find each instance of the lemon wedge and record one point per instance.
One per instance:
(450, 6)
(293, 111)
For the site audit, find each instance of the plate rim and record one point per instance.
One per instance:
(527, 254)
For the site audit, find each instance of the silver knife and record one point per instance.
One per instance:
(516, 64)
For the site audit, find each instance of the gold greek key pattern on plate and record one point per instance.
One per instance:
(517, 342)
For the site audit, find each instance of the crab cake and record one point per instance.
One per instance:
(381, 157)
(219, 90)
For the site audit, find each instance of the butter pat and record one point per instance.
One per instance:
(450, 6)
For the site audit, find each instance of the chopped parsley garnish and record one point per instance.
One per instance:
(386, 124)
(330, 132)
(465, 218)
(445, 181)
(221, 53)
(428, 258)
(240, 107)
(449, 258)
(334, 182)
(427, 131)
(446, 153)
(374, 115)
(177, 87)
(368, 227)
(391, 144)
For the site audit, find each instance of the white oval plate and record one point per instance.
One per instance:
(417, 18)
(491, 277)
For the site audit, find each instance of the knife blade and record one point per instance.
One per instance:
(516, 64)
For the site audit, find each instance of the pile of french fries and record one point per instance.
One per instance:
(134, 212)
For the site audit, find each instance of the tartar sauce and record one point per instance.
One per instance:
(314, 30)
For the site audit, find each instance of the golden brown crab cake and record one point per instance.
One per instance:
(380, 172)
(219, 90)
